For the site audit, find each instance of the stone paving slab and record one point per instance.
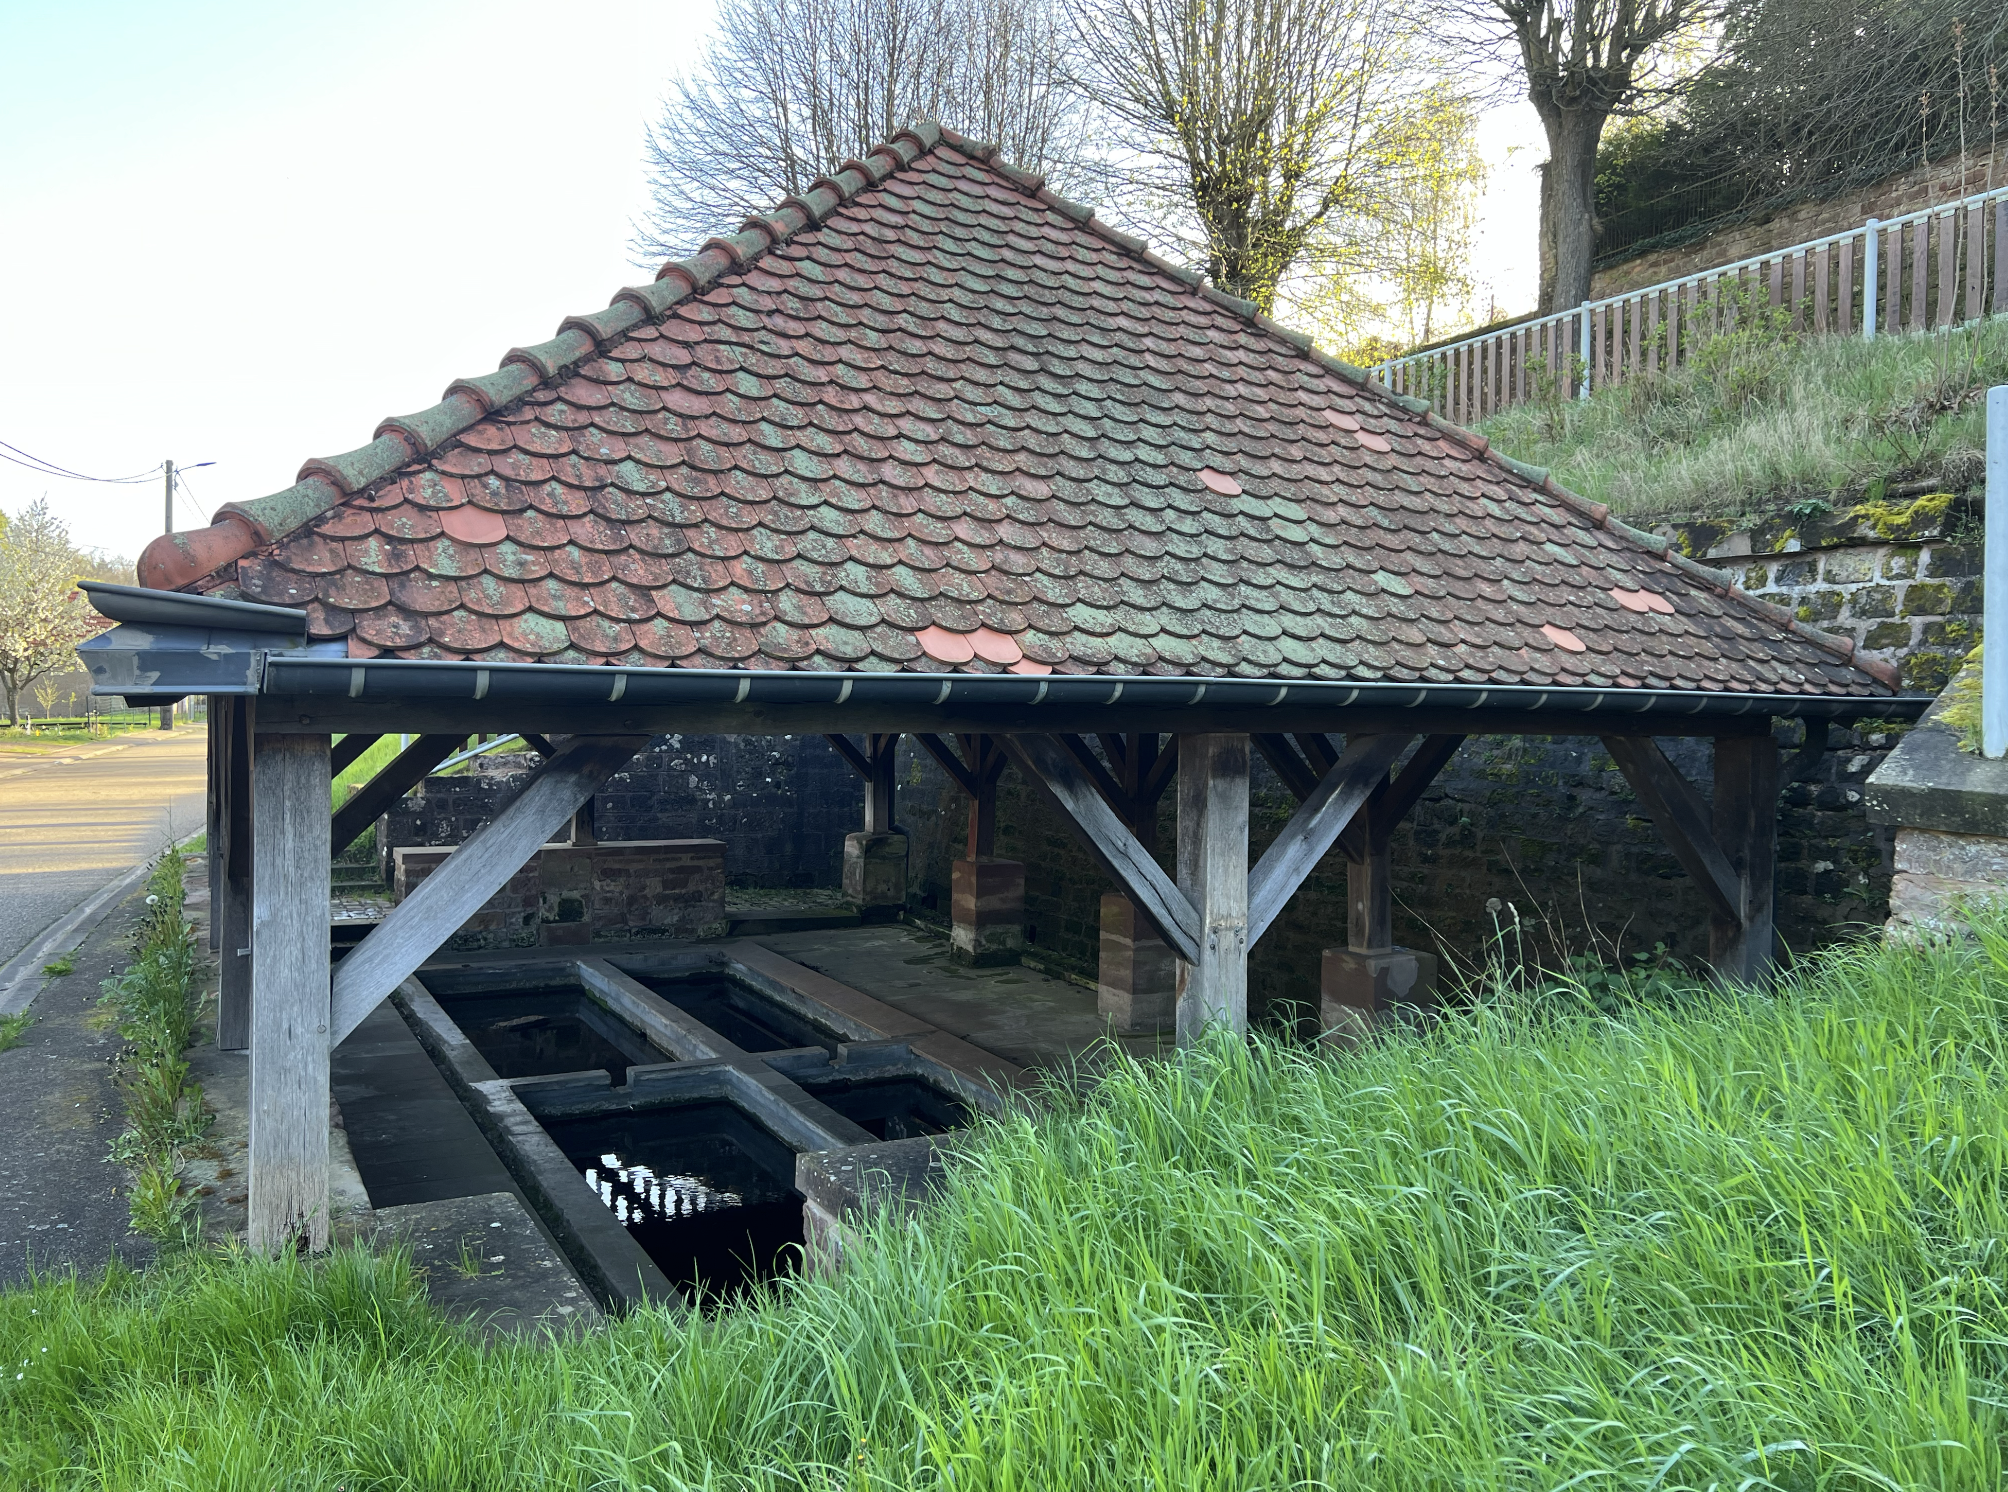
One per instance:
(485, 1262)
(1023, 1016)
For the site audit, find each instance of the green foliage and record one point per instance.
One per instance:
(11, 1027)
(1757, 421)
(63, 964)
(154, 1004)
(1746, 1241)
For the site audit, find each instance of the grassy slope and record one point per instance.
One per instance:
(1758, 1242)
(1759, 422)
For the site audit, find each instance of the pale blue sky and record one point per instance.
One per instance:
(244, 233)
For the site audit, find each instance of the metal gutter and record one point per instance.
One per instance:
(383, 680)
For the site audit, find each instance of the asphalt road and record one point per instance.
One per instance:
(67, 828)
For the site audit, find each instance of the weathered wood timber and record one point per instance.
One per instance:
(399, 776)
(1683, 819)
(1316, 826)
(418, 925)
(230, 733)
(348, 751)
(1054, 774)
(1745, 820)
(1213, 874)
(289, 1003)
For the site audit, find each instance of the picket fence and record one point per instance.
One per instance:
(1935, 267)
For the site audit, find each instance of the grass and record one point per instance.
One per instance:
(11, 1028)
(1746, 1241)
(154, 1005)
(1760, 421)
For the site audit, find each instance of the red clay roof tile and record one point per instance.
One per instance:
(958, 425)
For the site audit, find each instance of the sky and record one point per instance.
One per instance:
(244, 233)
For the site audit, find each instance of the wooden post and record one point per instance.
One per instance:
(231, 911)
(1745, 821)
(1213, 874)
(289, 1006)
(879, 785)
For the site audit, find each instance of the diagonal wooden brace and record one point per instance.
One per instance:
(423, 921)
(1683, 820)
(1058, 778)
(1317, 824)
(399, 776)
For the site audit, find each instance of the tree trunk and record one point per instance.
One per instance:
(1568, 204)
(13, 702)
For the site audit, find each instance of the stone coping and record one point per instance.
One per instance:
(1929, 783)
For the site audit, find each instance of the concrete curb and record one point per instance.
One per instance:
(21, 979)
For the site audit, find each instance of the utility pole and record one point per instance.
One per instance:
(167, 521)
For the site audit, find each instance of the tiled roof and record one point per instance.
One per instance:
(934, 417)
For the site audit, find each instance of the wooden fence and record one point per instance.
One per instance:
(1926, 269)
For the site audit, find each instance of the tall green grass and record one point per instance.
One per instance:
(1756, 1241)
(1760, 420)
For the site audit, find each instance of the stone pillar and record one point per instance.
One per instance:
(875, 874)
(1137, 990)
(987, 904)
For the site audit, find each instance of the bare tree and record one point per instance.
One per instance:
(788, 89)
(1583, 61)
(43, 616)
(1251, 129)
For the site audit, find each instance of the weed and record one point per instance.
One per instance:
(11, 1027)
(154, 1004)
(468, 1265)
(65, 964)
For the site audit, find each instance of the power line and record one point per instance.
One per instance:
(50, 469)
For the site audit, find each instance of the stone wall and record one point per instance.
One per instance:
(1545, 824)
(602, 893)
(1944, 180)
(1901, 578)
(1947, 807)
(781, 804)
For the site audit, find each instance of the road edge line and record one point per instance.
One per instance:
(24, 969)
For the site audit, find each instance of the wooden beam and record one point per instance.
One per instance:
(418, 925)
(289, 1007)
(399, 776)
(1316, 824)
(1745, 820)
(538, 744)
(1296, 774)
(348, 750)
(1152, 782)
(1213, 875)
(1053, 774)
(943, 753)
(860, 763)
(1393, 800)
(1104, 780)
(880, 785)
(1683, 819)
(234, 956)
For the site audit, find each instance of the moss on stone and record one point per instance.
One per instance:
(1961, 714)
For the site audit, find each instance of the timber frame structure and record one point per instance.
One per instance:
(929, 451)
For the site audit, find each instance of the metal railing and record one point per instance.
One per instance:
(1929, 268)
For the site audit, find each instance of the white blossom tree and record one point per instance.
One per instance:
(43, 616)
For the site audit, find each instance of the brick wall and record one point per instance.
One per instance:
(604, 893)
(1944, 180)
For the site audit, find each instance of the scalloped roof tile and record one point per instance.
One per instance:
(934, 417)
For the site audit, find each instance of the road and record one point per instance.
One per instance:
(69, 827)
